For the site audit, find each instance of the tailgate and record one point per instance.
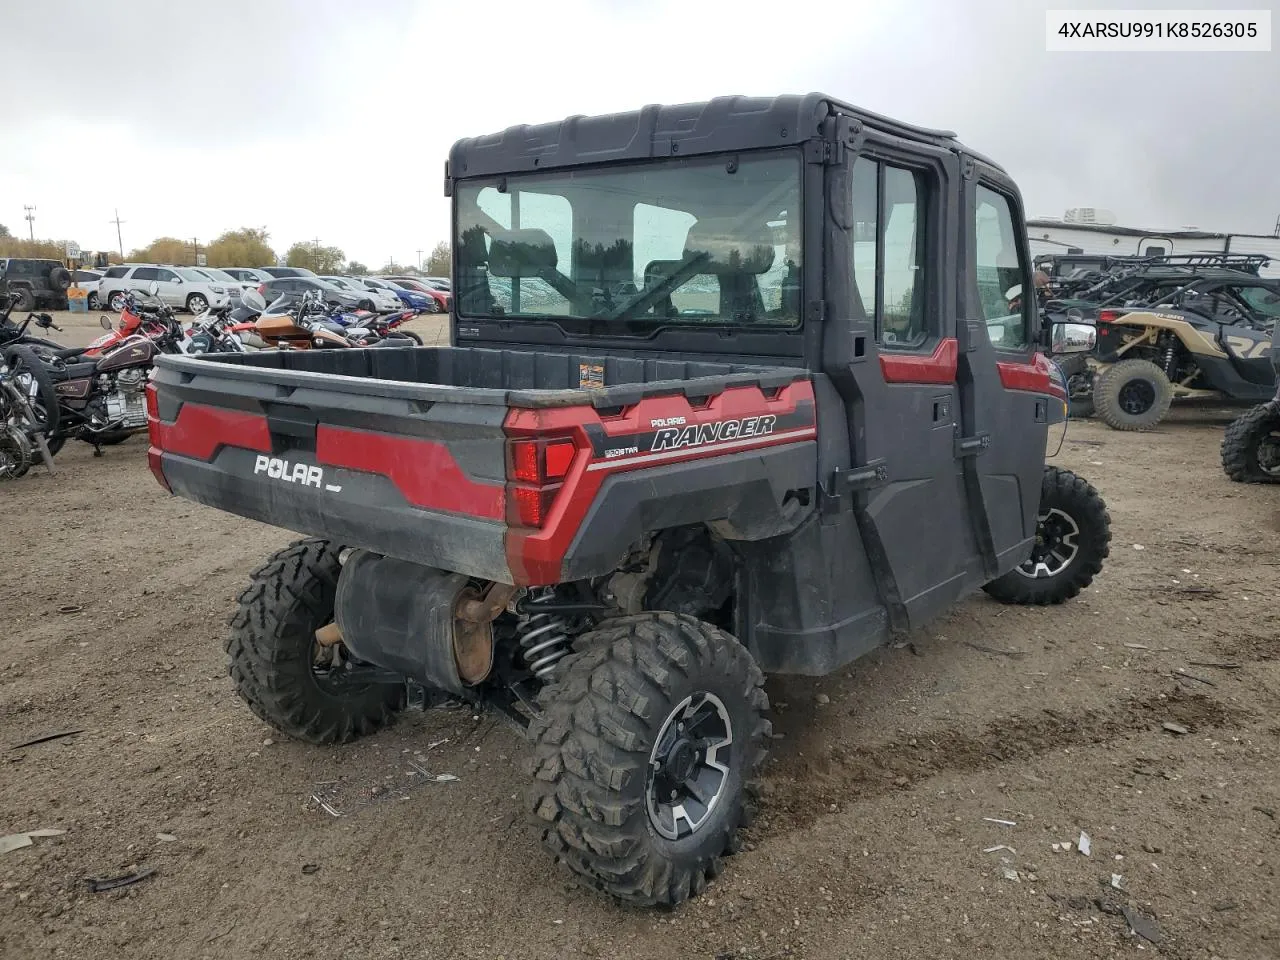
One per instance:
(360, 462)
(513, 481)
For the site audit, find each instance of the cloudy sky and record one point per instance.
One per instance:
(318, 120)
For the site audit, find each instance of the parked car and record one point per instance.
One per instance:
(88, 280)
(294, 287)
(36, 283)
(287, 272)
(441, 297)
(413, 299)
(233, 284)
(181, 287)
(384, 301)
(250, 275)
(440, 283)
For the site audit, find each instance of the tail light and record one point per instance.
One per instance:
(1108, 316)
(154, 456)
(535, 471)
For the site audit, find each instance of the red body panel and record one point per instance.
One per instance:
(940, 367)
(200, 432)
(1034, 377)
(536, 556)
(423, 471)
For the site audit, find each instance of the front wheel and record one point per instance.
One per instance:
(197, 304)
(647, 755)
(1251, 446)
(405, 335)
(285, 675)
(116, 301)
(1132, 395)
(1073, 537)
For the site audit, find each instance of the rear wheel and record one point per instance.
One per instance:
(1132, 395)
(647, 755)
(285, 675)
(91, 301)
(1073, 537)
(1251, 446)
(405, 335)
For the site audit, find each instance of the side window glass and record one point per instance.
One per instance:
(1000, 270)
(168, 276)
(866, 206)
(889, 250)
(146, 273)
(902, 304)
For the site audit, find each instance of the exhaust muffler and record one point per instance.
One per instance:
(431, 625)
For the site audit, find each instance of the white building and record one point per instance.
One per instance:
(1089, 231)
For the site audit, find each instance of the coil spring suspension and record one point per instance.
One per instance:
(544, 642)
(1170, 358)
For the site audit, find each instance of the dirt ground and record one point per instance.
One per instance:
(879, 837)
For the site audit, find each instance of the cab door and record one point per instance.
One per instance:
(899, 378)
(1009, 391)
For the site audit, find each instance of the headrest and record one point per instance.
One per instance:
(730, 248)
(521, 253)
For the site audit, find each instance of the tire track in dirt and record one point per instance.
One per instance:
(801, 789)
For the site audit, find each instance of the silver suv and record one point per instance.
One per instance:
(182, 287)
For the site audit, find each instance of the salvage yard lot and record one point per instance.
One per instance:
(878, 794)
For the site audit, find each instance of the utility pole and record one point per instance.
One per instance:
(30, 217)
(315, 254)
(419, 261)
(117, 221)
(195, 255)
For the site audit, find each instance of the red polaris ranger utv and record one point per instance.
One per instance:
(734, 389)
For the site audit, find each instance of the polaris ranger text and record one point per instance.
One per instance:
(734, 389)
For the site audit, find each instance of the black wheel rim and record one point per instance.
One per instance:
(1137, 397)
(1268, 455)
(1055, 547)
(689, 766)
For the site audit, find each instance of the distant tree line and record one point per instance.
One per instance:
(246, 247)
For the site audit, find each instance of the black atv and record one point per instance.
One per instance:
(1251, 444)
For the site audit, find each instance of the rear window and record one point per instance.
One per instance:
(115, 273)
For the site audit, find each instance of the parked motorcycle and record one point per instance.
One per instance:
(305, 325)
(23, 432)
(100, 396)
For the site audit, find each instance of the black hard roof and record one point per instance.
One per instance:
(656, 130)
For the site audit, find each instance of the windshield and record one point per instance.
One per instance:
(220, 275)
(1265, 300)
(700, 241)
(194, 276)
(337, 282)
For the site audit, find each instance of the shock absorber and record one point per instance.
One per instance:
(544, 642)
(1170, 356)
